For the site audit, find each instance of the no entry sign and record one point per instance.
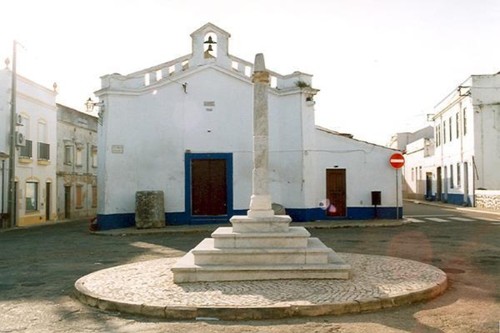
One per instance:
(397, 160)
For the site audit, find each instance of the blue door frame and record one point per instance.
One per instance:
(197, 219)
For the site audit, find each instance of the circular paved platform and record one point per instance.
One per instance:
(146, 288)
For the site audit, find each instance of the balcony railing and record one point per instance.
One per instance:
(26, 151)
(43, 151)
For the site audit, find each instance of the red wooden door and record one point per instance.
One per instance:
(336, 192)
(208, 187)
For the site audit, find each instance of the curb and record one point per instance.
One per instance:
(456, 207)
(211, 227)
(237, 310)
(258, 313)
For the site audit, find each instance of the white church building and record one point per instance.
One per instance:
(185, 127)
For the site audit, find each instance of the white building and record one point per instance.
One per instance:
(467, 125)
(35, 160)
(76, 163)
(400, 140)
(459, 164)
(419, 170)
(185, 127)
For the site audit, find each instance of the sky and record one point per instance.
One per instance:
(381, 65)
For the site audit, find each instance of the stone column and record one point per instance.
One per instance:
(260, 202)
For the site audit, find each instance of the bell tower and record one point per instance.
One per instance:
(210, 44)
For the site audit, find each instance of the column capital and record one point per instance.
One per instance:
(260, 77)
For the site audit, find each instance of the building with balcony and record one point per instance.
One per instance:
(76, 163)
(35, 157)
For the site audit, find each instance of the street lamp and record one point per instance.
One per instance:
(90, 105)
(3, 157)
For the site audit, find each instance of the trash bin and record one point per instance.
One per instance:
(376, 201)
(376, 198)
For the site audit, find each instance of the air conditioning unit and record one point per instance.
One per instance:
(19, 120)
(20, 139)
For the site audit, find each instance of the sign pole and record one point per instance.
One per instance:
(397, 195)
(397, 161)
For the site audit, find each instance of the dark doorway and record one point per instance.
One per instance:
(47, 201)
(428, 185)
(466, 183)
(67, 202)
(208, 187)
(336, 192)
(439, 184)
(16, 213)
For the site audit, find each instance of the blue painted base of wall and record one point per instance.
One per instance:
(353, 213)
(456, 199)
(115, 221)
(127, 220)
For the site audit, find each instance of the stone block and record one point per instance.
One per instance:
(149, 209)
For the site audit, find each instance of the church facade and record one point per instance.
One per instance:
(185, 127)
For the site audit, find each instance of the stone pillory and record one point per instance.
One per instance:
(260, 202)
(260, 245)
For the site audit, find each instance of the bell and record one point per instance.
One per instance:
(210, 48)
(210, 41)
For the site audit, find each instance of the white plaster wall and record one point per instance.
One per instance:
(4, 111)
(4, 130)
(367, 169)
(486, 100)
(417, 165)
(163, 122)
(142, 150)
(286, 162)
(459, 150)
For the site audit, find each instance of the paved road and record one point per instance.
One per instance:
(38, 267)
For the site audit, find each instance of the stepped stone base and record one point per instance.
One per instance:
(260, 249)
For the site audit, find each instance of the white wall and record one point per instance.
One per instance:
(5, 97)
(367, 169)
(419, 160)
(37, 105)
(158, 126)
(486, 99)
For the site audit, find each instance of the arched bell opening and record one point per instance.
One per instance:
(210, 45)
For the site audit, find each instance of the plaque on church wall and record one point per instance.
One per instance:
(117, 149)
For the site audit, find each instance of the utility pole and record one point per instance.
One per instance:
(12, 159)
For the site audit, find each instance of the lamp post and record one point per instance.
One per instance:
(3, 157)
(12, 145)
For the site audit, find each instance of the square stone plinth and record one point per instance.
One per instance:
(276, 223)
(226, 237)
